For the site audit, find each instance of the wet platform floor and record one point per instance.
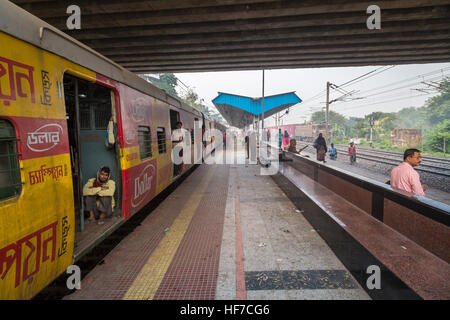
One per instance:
(226, 232)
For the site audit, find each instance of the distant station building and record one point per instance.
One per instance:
(406, 138)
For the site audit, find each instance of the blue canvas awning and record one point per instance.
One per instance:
(240, 111)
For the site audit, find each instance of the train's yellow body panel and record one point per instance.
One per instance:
(36, 227)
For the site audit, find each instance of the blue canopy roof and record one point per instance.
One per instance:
(240, 111)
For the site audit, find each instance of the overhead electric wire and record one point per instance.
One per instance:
(374, 73)
(366, 76)
(395, 89)
(408, 79)
(381, 102)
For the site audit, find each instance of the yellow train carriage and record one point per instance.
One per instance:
(37, 226)
(58, 99)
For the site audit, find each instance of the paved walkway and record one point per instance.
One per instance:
(225, 233)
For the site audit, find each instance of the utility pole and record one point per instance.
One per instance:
(326, 112)
(371, 126)
(263, 100)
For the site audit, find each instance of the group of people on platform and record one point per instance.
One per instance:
(284, 142)
(403, 177)
(98, 192)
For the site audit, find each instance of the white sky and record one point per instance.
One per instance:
(307, 83)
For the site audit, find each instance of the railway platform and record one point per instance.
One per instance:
(229, 233)
(225, 233)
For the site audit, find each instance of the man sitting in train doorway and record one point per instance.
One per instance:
(99, 196)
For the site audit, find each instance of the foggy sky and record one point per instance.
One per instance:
(308, 83)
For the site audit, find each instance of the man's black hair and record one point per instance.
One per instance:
(409, 153)
(106, 169)
(179, 122)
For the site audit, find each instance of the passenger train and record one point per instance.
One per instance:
(65, 111)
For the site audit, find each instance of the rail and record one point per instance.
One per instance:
(373, 157)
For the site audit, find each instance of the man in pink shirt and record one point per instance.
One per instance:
(404, 176)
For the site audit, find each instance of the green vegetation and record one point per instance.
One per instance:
(433, 119)
(168, 82)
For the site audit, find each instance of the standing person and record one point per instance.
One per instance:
(352, 152)
(98, 194)
(280, 138)
(247, 145)
(404, 176)
(332, 152)
(285, 139)
(268, 140)
(321, 147)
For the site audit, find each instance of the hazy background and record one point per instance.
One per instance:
(385, 88)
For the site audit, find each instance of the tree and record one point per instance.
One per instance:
(438, 108)
(411, 118)
(434, 139)
(166, 82)
(338, 122)
(190, 97)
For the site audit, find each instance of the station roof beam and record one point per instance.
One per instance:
(158, 36)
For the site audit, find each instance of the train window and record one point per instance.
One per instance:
(102, 113)
(94, 103)
(85, 116)
(10, 183)
(145, 145)
(161, 133)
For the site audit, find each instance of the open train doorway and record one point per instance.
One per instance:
(174, 119)
(90, 115)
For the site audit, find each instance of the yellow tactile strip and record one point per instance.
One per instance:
(150, 277)
(193, 273)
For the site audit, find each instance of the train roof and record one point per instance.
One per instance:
(21, 24)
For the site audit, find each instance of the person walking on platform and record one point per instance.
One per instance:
(99, 196)
(247, 145)
(321, 147)
(280, 138)
(285, 139)
(332, 152)
(404, 177)
(352, 152)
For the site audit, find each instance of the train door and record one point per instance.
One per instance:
(174, 118)
(90, 119)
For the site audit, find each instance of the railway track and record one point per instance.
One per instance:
(433, 165)
(426, 159)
